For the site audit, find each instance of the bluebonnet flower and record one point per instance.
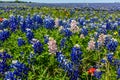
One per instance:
(66, 32)
(107, 39)
(46, 39)
(67, 66)
(23, 26)
(37, 46)
(81, 21)
(29, 35)
(73, 26)
(62, 43)
(37, 19)
(103, 60)
(52, 46)
(112, 45)
(9, 76)
(5, 23)
(13, 23)
(31, 58)
(102, 30)
(76, 55)
(20, 41)
(19, 69)
(49, 23)
(64, 63)
(84, 31)
(117, 62)
(118, 73)
(119, 32)
(4, 34)
(3, 65)
(98, 74)
(110, 57)
(108, 26)
(114, 26)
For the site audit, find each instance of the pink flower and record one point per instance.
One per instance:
(91, 44)
(52, 45)
(74, 28)
(101, 39)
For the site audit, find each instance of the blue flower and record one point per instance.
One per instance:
(38, 47)
(23, 26)
(13, 23)
(64, 63)
(73, 71)
(29, 35)
(98, 74)
(38, 19)
(76, 55)
(84, 31)
(5, 23)
(112, 45)
(10, 75)
(49, 23)
(46, 39)
(102, 30)
(81, 21)
(19, 69)
(62, 43)
(4, 34)
(117, 62)
(107, 39)
(3, 65)
(110, 57)
(118, 73)
(20, 41)
(66, 32)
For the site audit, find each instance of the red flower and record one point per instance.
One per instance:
(1, 19)
(91, 71)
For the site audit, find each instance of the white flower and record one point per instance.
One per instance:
(14, 61)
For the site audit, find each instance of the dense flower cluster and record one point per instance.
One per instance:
(3, 62)
(112, 45)
(20, 71)
(13, 23)
(76, 55)
(67, 66)
(4, 34)
(49, 23)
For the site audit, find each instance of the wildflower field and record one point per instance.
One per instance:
(50, 43)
